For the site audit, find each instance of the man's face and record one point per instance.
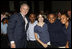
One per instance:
(24, 9)
(51, 18)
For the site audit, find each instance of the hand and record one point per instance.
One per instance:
(13, 45)
(45, 45)
(67, 46)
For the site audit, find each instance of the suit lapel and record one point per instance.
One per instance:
(23, 20)
(27, 26)
(20, 16)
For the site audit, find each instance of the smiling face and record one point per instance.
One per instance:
(40, 18)
(51, 18)
(24, 9)
(63, 19)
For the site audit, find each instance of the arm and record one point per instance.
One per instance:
(44, 45)
(67, 44)
(11, 28)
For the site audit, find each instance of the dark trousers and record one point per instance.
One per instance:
(32, 44)
(4, 41)
(40, 46)
(53, 46)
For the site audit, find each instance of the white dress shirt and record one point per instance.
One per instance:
(26, 21)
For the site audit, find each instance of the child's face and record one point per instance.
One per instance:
(51, 18)
(5, 21)
(40, 18)
(63, 19)
(32, 17)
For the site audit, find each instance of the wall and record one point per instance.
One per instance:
(64, 5)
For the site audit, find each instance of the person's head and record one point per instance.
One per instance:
(64, 18)
(59, 15)
(5, 20)
(32, 17)
(24, 8)
(40, 18)
(69, 12)
(3, 14)
(41, 12)
(51, 18)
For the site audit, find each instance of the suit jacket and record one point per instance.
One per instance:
(16, 30)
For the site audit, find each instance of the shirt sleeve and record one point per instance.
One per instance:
(35, 29)
(12, 42)
(11, 26)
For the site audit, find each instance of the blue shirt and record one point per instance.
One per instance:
(3, 28)
(57, 35)
(30, 31)
(43, 33)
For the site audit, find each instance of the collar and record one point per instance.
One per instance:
(22, 15)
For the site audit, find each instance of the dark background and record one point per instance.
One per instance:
(36, 5)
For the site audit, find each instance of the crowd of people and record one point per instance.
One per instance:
(45, 30)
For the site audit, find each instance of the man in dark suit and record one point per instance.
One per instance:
(17, 28)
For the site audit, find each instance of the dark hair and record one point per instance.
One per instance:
(4, 19)
(33, 14)
(38, 17)
(41, 15)
(65, 14)
(53, 14)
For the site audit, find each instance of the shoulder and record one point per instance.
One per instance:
(6, 24)
(35, 26)
(45, 24)
(36, 22)
(13, 16)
